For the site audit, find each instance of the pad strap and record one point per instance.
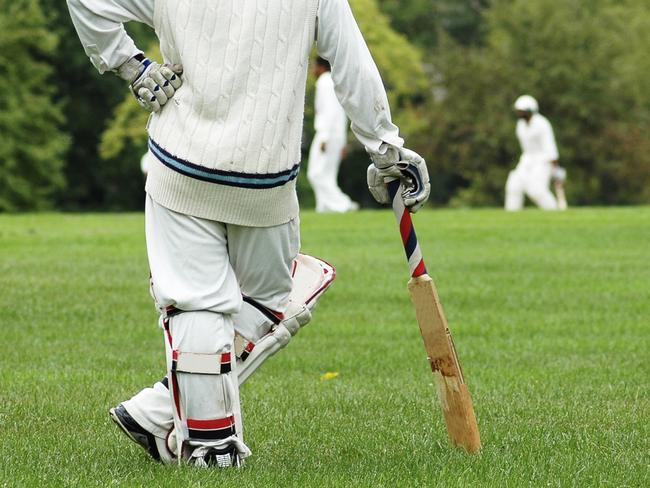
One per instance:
(174, 379)
(170, 311)
(243, 347)
(197, 363)
(272, 315)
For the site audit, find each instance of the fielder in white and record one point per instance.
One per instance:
(329, 142)
(146, 161)
(221, 213)
(538, 163)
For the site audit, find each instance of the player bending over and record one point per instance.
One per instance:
(538, 165)
(221, 214)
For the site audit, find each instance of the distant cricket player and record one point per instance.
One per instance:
(221, 213)
(328, 145)
(538, 164)
(145, 162)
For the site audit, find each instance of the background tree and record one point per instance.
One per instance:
(422, 20)
(452, 68)
(31, 145)
(584, 62)
(87, 100)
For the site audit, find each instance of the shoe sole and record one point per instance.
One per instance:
(115, 418)
(154, 455)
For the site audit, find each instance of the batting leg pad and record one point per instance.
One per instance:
(204, 393)
(252, 355)
(311, 279)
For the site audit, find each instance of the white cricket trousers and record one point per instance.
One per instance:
(202, 268)
(531, 177)
(322, 173)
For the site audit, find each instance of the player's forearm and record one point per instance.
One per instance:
(357, 81)
(99, 24)
(550, 145)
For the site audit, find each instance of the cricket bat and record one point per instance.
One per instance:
(560, 196)
(453, 393)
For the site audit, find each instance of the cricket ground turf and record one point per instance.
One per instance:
(550, 313)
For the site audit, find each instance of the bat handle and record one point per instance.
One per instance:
(407, 230)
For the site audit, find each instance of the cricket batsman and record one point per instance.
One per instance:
(538, 164)
(221, 213)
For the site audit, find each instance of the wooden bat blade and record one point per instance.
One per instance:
(453, 393)
(561, 197)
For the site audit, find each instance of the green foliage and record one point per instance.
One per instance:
(87, 99)
(421, 20)
(126, 129)
(585, 60)
(399, 62)
(585, 66)
(122, 145)
(31, 144)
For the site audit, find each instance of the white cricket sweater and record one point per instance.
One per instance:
(227, 145)
(237, 120)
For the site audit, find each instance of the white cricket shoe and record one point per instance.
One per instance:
(212, 457)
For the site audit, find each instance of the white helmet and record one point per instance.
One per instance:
(526, 103)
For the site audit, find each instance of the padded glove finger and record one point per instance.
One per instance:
(153, 85)
(415, 204)
(162, 82)
(417, 193)
(147, 100)
(172, 73)
(156, 89)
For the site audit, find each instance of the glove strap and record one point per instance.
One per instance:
(133, 68)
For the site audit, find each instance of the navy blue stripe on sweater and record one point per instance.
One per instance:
(229, 178)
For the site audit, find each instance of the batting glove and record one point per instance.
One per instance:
(558, 174)
(403, 164)
(152, 84)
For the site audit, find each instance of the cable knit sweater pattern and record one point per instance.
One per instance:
(228, 144)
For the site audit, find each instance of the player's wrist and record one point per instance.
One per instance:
(133, 68)
(385, 158)
(152, 84)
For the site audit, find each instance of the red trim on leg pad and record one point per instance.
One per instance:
(177, 399)
(211, 424)
(211, 429)
(272, 315)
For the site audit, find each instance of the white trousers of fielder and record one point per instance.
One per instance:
(203, 268)
(322, 173)
(531, 177)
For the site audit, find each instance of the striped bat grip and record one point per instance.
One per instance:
(406, 229)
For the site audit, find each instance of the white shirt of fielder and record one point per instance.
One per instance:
(532, 176)
(327, 149)
(536, 139)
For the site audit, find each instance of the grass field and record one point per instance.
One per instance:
(550, 313)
